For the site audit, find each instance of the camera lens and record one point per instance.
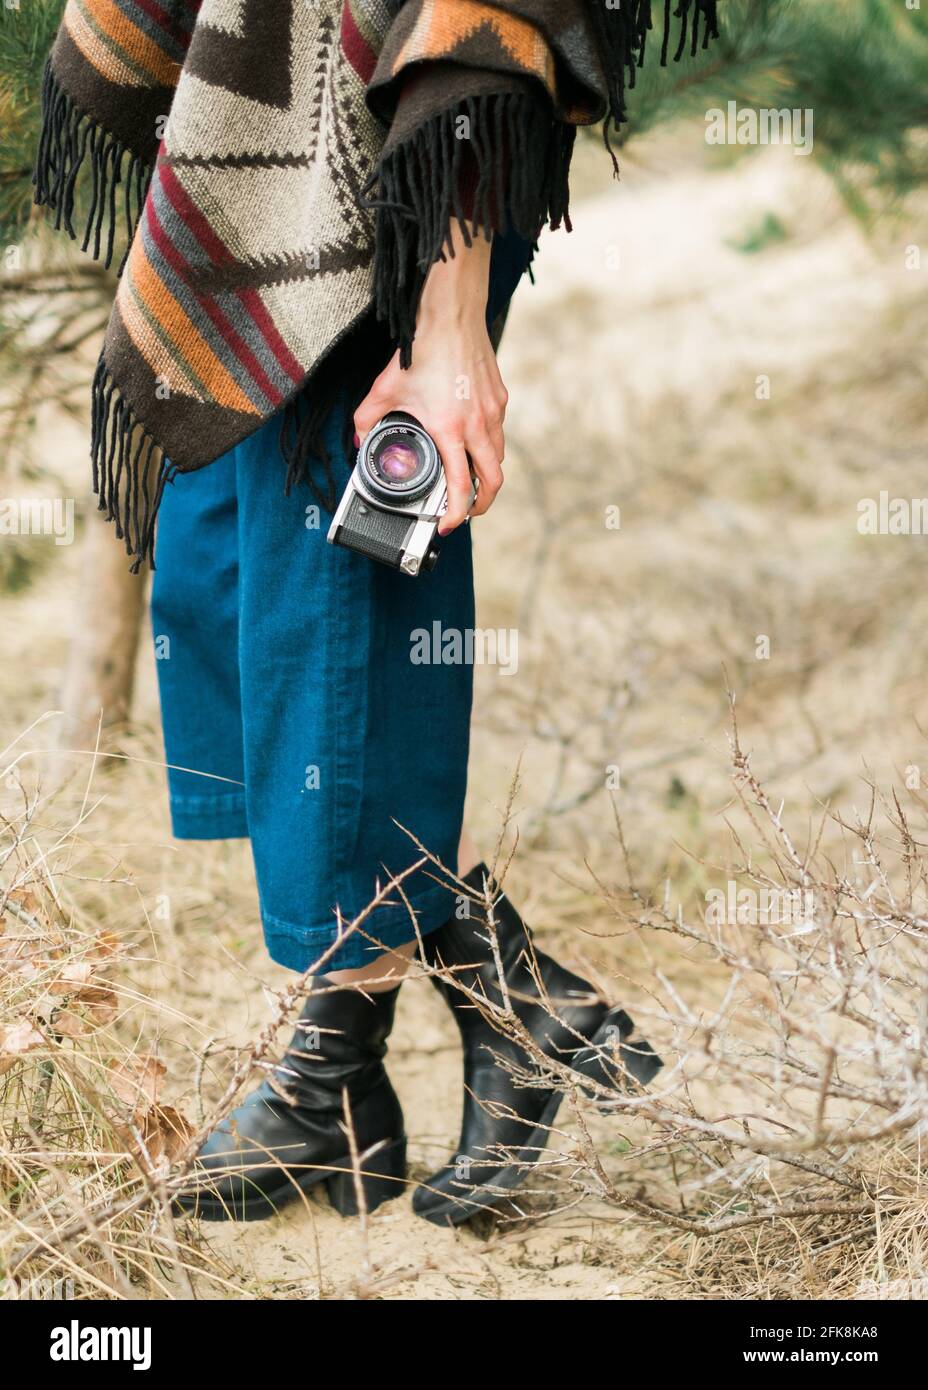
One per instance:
(400, 461)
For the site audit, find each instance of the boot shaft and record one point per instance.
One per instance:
(340, 1041)
(464, 946)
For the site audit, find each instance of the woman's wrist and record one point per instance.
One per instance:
(456, 288)
(453, 386)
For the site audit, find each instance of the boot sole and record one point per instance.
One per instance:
(382, 1178)
(642, 1062)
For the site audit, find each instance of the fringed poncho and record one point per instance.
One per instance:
(284, 173)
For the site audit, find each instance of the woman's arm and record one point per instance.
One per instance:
(453, 388)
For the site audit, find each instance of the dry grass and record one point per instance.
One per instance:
(779, 1154)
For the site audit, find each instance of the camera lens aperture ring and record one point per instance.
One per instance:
(399, 460)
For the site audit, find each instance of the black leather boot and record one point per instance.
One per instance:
(496, 1150)
(267, 1152)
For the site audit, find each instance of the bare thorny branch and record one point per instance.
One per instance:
(794, 1087)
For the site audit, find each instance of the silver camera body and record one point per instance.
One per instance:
(395, 497)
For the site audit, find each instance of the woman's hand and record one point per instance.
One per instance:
(453, 387)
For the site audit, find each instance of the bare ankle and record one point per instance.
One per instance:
(468, 855)
(385, 973)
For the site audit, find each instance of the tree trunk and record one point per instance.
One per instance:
(100, 669)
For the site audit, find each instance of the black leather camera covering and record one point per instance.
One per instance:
(381, 535)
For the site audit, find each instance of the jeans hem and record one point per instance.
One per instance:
(209, 817)
(297, 948)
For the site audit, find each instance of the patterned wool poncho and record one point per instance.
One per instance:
(285, 173)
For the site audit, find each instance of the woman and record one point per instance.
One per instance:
(330, 208)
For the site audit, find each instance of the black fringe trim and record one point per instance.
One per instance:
(623, 34)
(519, 158)
(68, 138)
(301, 443)
(345, 374)
(129, 471)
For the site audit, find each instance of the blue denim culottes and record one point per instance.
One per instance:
(292, 711)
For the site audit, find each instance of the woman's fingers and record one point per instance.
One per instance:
(376, 404)
(367, 415)
(497, 439)
(475, 431)
(458, 479)
(486, 455)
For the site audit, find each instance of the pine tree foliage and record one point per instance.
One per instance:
(27, 31)
(860, 66)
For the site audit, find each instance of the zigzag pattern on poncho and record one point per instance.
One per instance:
(285, 173)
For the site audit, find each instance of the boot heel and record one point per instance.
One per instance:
(636, 1058)
(382, 1177)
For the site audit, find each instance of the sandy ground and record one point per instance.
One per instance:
(633, 367)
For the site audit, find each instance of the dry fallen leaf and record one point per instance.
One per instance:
(105, 943)
(92, 1007)
(157, 1137)
(70, 1025)
(137, 1081)
(173, 1130)
(100, 1003)
(27, 901)
(75, 974)
(16, 1039)
(11, 955)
